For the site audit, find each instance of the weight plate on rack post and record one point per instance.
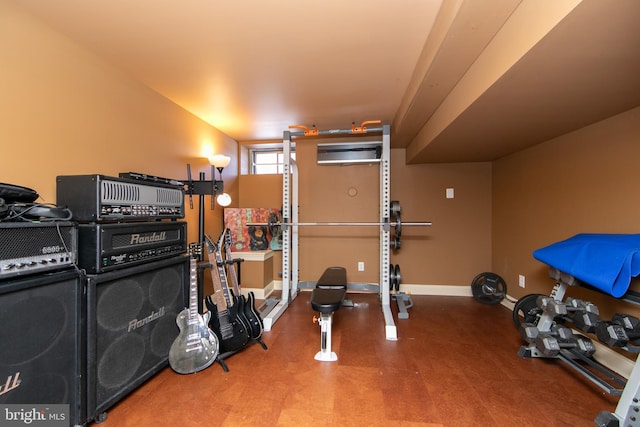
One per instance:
(392, 276)
(395, 244)
(394, 209)
(398, 228)
(397, 277)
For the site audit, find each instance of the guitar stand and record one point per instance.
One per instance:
(221, 357)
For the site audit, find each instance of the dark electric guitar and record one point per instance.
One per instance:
(233, 296)
(226, 323)
(196, 347)
(251, 314)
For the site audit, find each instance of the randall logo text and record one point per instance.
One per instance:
(135, 323)
(13, 382)
(139, 239)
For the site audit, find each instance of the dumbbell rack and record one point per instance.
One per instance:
(612, 383)
(577, 361)
(627, 411)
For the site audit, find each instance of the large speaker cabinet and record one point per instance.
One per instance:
(41, 342)
(131, 324)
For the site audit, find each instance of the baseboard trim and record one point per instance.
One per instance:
(439, 290)
(264, 292)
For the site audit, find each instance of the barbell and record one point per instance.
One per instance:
(397, 225)
(395, 221)
(339, 224)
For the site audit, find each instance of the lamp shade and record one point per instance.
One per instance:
(219, 161)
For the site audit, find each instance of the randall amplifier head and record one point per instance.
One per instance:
(98, 198)
(27, 247)
(105, 247)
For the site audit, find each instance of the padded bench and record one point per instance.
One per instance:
(326, 298)
(330, 290)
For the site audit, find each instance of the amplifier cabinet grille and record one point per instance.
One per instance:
(27, 248)
(131, 324)
(42, 354)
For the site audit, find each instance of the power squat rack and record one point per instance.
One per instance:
(290, 221)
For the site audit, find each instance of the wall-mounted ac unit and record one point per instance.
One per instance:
(349, 153)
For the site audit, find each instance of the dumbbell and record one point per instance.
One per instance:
(530, 332)
(617, 332)
(612, 334)
(585, 315)
(550, 346)
(629, 322)
(551, 306)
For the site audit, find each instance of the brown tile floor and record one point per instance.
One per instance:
(454, 364)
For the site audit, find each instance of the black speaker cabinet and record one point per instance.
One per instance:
(41, 342)
(131, 324)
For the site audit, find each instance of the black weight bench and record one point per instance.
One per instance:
(327, 297)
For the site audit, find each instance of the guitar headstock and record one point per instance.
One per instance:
(227, 239)
(211, 247)
(195, 250)
(221, 239)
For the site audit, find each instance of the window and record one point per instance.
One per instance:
(268, 161)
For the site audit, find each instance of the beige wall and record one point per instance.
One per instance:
(458, 245)
(451, 252)
(63, 111)
(583, 182)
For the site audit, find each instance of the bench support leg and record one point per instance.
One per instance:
(325, 354)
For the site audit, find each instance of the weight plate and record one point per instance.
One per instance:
(395, 244)
(272, 223)
(398, 228)
(394, 209)
(488, 288)
(392, 276)
(398, 277)
(526, 310)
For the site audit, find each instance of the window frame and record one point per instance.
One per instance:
(279, 161)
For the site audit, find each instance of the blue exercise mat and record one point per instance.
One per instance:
(604, 261)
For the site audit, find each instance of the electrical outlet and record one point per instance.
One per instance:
(521, 281)
(360, 265)
(450, 193)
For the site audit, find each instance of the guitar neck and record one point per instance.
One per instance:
(232, 269)
(193, 291)
(233, 277)
(223, 278)
(218, 294)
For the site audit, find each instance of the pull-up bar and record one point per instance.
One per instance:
(354, 129)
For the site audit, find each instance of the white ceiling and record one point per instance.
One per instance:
(459, 80)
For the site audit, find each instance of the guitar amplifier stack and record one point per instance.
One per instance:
(131, 244)
(41, 309)
(88, 306)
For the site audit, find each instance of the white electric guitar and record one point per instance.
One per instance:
(196, 347)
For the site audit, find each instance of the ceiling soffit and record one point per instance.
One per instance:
(583, 70)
